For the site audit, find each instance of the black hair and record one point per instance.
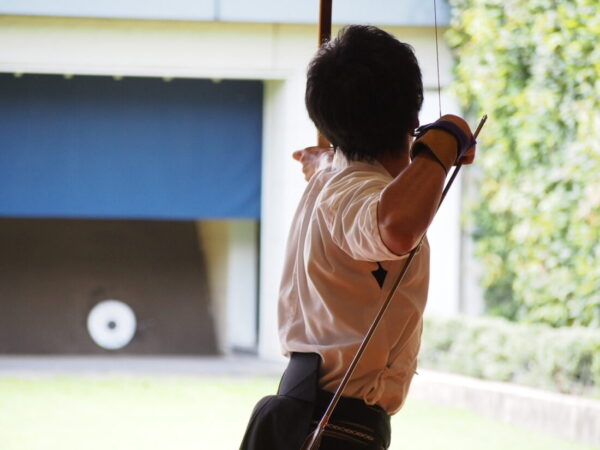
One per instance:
(364, 92)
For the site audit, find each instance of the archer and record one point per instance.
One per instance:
(365, 208)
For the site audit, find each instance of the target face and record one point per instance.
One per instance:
(111, 324)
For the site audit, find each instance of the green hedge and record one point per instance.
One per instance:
(565, 360)
(534, 67)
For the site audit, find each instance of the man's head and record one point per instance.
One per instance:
(364, 92)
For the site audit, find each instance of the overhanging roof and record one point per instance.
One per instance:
(379, 12)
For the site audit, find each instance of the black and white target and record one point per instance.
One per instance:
(111, 324)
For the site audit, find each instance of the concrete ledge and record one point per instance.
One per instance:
(566, 416)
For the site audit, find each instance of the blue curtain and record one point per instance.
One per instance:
(134, 148)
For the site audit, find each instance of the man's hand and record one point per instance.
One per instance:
(313, 159)
(447, 146)
(469, 156)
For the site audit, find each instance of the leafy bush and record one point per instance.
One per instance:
(566, 360)
(534, 67)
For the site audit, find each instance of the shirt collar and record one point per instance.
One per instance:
(340, 162)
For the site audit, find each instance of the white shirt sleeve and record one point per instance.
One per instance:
(349, 208)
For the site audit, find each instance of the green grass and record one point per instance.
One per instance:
(152, 413)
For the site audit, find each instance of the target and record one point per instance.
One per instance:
(111, 324)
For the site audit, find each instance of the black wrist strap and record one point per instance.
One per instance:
(418, 147)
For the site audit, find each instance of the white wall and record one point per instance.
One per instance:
(277, 53)
(242, 284)
(445, 232)
(230, 249)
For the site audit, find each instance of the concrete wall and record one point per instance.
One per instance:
(276, 53)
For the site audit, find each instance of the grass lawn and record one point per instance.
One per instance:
(152, 413)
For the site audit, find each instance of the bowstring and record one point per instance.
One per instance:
(437, 56)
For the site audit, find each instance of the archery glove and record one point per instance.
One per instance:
(447, 139)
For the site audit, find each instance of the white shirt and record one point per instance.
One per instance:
(329, 295)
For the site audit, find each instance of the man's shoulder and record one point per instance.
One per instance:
(356, 176)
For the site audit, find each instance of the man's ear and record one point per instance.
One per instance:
(416, 122)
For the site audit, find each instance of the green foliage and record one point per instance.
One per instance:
(566, 359)
(534, 68)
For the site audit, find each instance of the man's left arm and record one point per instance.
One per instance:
(313, 159)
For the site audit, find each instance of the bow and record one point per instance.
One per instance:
(324, 37)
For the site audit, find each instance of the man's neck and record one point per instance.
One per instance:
(399, 161)
(395, 164)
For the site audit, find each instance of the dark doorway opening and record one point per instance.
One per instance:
(54, 271)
